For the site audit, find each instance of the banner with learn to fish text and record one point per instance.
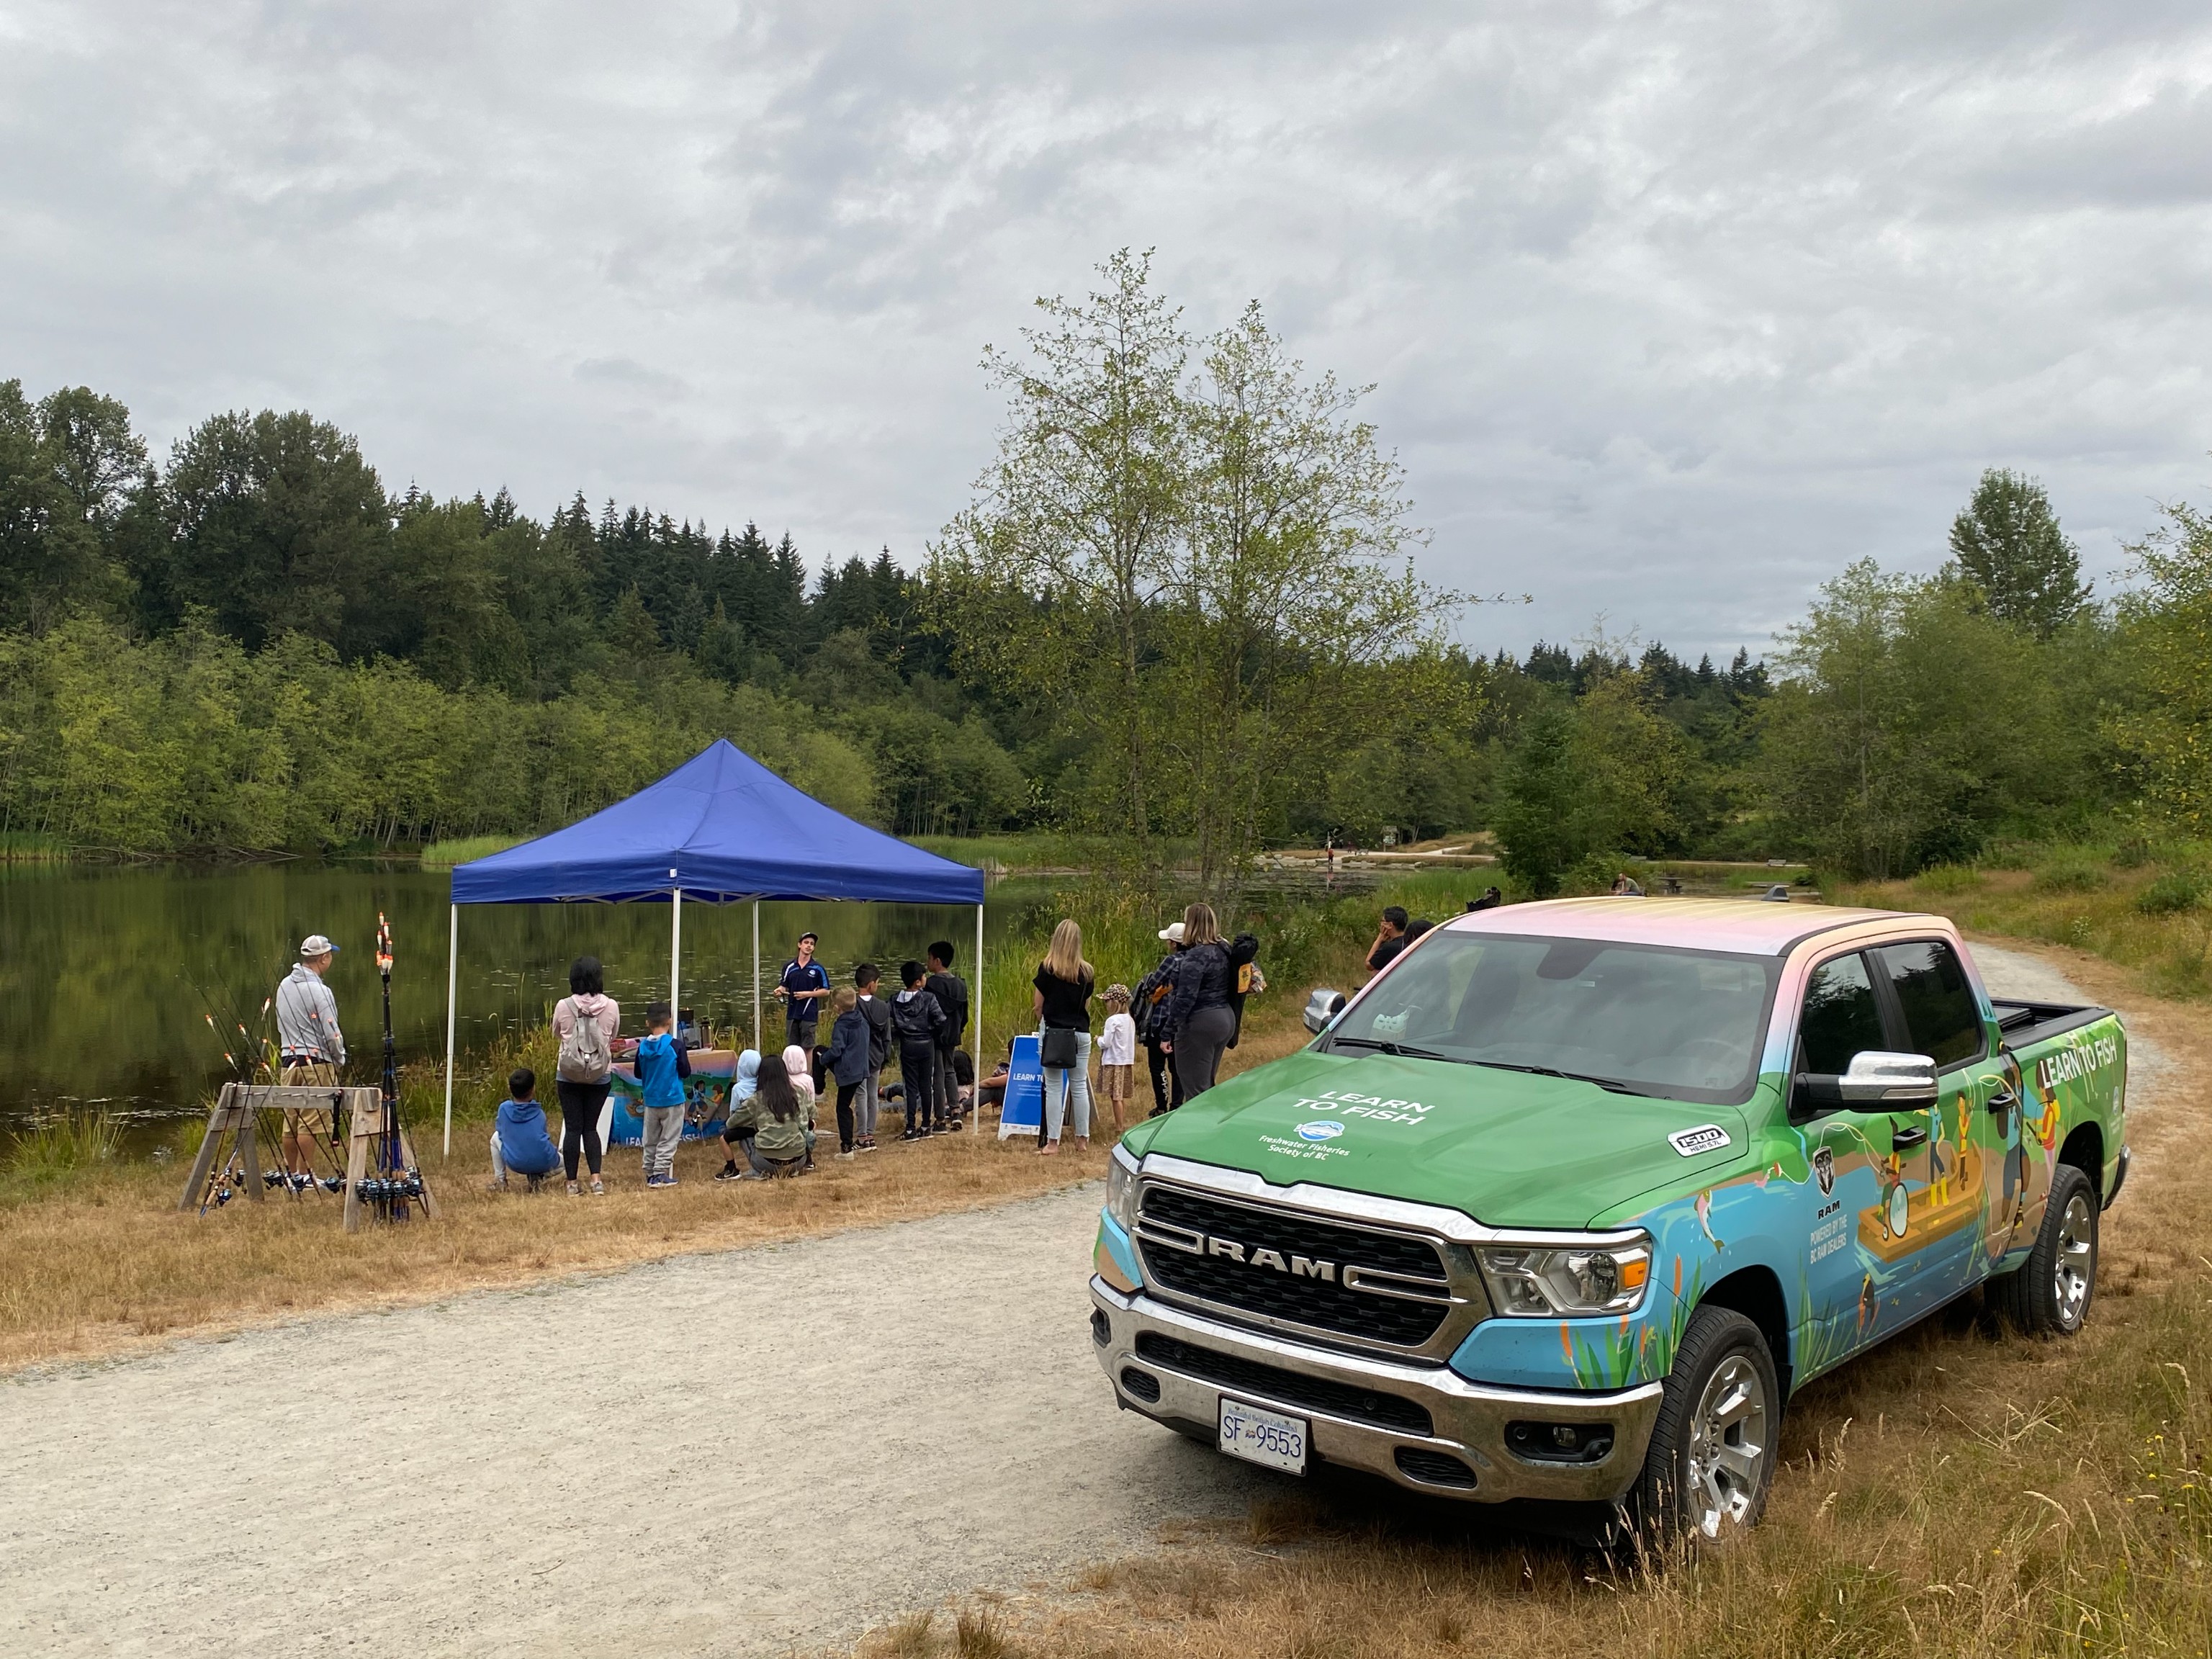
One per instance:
(1024, 1109)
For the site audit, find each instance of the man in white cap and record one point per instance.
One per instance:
(311, 1047)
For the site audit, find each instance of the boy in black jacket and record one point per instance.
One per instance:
(877, 1010)
(951, 994)
(918, 1019)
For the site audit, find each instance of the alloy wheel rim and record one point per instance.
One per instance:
(2077, 1260)
(1728, 1446)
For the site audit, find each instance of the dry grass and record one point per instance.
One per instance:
(2076, 900)
(95, 1258)
(1957, 1493)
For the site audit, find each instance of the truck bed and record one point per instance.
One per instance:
(2024, 1024)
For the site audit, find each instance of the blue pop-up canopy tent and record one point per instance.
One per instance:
(722, 829)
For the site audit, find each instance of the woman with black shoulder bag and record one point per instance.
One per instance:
(1063, 985)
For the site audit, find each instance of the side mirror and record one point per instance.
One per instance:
(1322, 1007)
(1876, 1079)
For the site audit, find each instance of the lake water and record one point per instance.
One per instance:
(107, 973)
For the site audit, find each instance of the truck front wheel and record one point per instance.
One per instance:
(2051, 1291)
(1713, 1449)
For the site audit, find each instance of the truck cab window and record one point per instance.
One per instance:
(1841, 1018)
(1940, 1015)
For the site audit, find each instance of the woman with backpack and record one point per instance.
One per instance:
(1198, 1020)
(584, 1021)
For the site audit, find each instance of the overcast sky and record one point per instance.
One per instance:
(1672, 309)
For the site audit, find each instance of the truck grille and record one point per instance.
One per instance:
(1285, 1266)
(1287, 1387)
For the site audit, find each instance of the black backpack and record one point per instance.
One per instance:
(1244, 950)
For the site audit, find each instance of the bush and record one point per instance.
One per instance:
(2070, 876)
(2173, 892)
(2133, 852)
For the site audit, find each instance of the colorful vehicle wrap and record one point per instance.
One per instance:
(1835, 1226)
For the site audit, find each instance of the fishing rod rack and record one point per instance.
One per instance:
(241, 1155)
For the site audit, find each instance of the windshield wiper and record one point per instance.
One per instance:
(1610, 1084)
(1395, 1050)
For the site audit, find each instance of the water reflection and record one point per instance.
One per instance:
(102, 970)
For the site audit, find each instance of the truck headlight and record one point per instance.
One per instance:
(1121, 1190)
(1546, 1281)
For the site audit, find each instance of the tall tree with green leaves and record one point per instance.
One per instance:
(1049, 580)
(2008, 541)
(2168, 626)
(1291, 588)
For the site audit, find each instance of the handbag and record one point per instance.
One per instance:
(1057, 1047)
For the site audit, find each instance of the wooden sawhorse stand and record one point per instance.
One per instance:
(365, 1124)
(234, 1116)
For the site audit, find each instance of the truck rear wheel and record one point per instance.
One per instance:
(2052, 1289)
(1714, 1448)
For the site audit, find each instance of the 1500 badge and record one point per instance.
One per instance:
(1695, 1143)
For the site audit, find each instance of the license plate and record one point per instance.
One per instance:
(1260, 1436)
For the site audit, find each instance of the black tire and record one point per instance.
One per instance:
(2049, 1293)
(1723, 1394)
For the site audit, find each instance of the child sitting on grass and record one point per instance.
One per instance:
(520, 1144)
(662, 1065)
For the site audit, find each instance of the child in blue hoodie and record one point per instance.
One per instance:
(662, 1065)
(519, 1144)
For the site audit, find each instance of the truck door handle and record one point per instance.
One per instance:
(1902, 1139)
(2004, 1101)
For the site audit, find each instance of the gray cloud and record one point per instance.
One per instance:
(1672, 308)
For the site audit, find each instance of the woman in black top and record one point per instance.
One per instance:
(1063, 985)
(1196, 1021)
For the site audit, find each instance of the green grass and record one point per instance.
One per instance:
(459, 849)
(1033, 851)
(2150, 911)
(59, 1150)
(28, 847)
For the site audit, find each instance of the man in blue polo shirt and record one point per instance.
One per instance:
(806, 986)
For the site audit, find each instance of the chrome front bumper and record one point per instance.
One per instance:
(1469, 1420)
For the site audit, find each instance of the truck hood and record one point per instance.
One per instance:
(1509, 1149)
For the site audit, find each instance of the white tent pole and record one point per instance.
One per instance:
(979, 1054)
(452, 978)
(756, 1014)
(675, 949)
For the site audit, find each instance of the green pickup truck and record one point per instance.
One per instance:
(1564, 1204)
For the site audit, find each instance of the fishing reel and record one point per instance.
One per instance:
(300, 1181)
(385, 1189)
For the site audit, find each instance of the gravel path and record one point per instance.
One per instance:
(731, 1454)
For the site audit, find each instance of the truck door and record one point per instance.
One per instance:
(1866, 1265)
(1973, 1134)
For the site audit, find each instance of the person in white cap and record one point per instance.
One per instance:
(1152, 991)
(310, 1048)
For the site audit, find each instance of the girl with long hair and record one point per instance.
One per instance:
(1063, 982)
(784, 1115)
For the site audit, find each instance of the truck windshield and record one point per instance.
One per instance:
(1679, 1025)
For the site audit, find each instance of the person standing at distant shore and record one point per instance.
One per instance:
(804, 987)
(310, 1045)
